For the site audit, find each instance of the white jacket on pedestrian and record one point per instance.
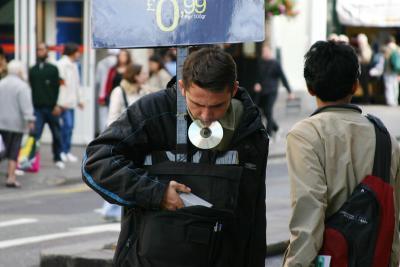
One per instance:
(16, 108)
(70, 90)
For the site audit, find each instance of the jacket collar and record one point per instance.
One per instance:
(342, 106)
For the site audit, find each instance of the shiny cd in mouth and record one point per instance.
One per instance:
(205, 137)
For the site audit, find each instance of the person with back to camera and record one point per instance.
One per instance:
(132, 164)
(330, 153)
(16, 115)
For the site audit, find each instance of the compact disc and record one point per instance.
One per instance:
(205, 137)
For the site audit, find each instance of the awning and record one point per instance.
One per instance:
(369, 13)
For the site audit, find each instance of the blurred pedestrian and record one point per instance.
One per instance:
(344, 39)
(159, 77)
(16, 115)
(131, 88)
(102, 69)
(114, 75)
(129, 91)
(3, 63)
(270, 72)
(70, 97)
(390, 75)
(45, 83)
(170, 61)
(364, 53)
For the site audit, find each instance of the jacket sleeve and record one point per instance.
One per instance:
(259, 251)
(114, 110)
(396, 184)
(25, 104)
(112, 165)
(284, 79)
(308, 201)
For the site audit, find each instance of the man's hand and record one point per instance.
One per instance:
(171, 200)
(81, 105)
(257, 88)
(57, 110)
(31, 126)
(291, 96)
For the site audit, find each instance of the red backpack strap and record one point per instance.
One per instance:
(383, 150)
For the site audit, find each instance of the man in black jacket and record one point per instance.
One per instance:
(270, 72)
(130, 164)
(45, 84)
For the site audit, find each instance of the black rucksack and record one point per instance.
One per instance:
(360, 233)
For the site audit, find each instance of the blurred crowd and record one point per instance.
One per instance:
(49, 93)
(380, 67)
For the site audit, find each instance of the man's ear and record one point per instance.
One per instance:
(235, 88)
(181, 87)
(310, 91)
(354, 88)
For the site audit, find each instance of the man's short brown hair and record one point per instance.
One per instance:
(210, 68)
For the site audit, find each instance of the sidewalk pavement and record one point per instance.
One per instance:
(278, 203)
(49, 175)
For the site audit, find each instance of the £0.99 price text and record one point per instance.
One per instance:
(189, 8)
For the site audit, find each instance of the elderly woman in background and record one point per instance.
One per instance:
(16, 115)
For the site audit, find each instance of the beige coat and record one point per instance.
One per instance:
(117, 104)
(328, 155)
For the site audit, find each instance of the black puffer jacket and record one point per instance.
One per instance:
(114, 166)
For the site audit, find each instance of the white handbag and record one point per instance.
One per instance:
(2, 147)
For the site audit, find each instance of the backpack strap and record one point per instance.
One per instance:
(383, 150)
(124, 97)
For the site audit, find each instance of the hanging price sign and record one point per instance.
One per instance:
(153, 23)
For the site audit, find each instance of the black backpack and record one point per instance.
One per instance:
(360, 233)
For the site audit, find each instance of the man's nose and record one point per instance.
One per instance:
(206, 116)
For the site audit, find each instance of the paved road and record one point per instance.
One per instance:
(47, 218)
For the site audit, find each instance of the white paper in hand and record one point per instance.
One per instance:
(190, 199)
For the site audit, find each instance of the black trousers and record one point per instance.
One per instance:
(266, 102)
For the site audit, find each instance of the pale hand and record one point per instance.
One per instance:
(31, 125)
(57, 110)
(291, 96)
(171, 200)
(257, 87)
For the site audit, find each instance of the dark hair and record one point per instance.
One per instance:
(210, 68)
(331, 69)
(132, 70)
(129, 61)
(158, 60)
(70, 49)
(390, 39)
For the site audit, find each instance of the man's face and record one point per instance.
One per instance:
(75, 56)
(205, 105)
(41, 51)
